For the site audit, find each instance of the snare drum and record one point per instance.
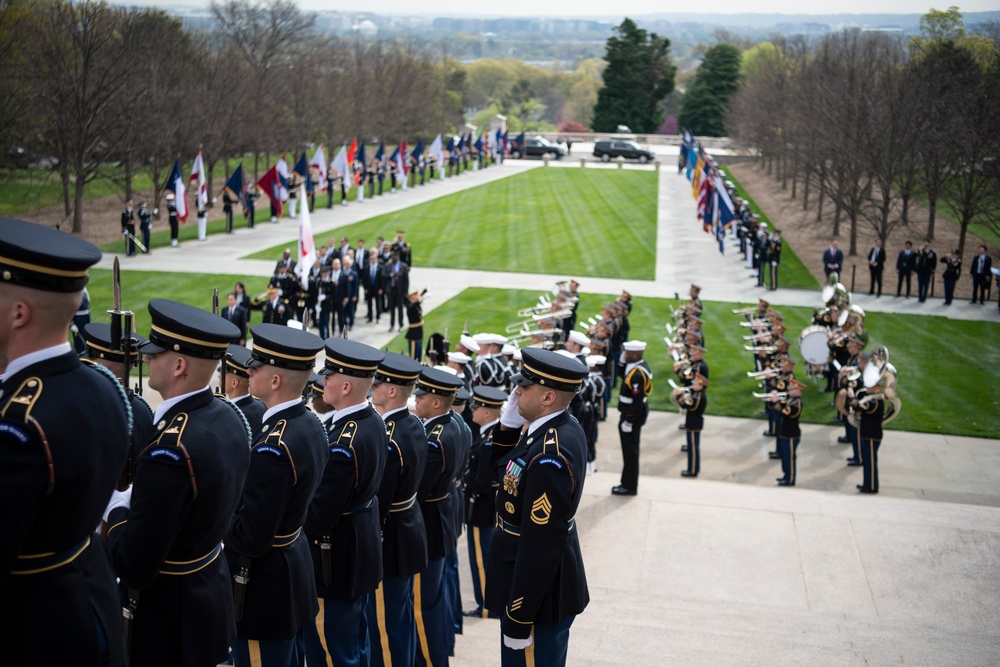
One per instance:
(814, 347)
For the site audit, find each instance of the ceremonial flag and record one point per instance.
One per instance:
(461, 143)
(198, 176)
(302, 166)
(362, 161)
(479, 144)
(342, 164)
(175, 186)
(271, 185)
(419, 150)
(352, 152)
(404, 159)
(236, 186)
(519, 142)
(451, 144)
(307, 244)
(505, 145)
(282, 168)
(498, 143)
(724, 209)
(437, 152)
(380, 153)
(318, 165)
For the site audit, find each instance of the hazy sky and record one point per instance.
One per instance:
(614, 8)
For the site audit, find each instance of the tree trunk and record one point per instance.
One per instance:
(822, 191)
(932, 206)
(805, 189)
(966, 219)
(854, 235)
(836, 219)
(906, 208)
(156, 187)
(64, 177)
(129, 174)
(795, 175)
(81, 181)
(210, 166)
(784, 172)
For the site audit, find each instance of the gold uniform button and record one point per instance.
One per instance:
(509, 506)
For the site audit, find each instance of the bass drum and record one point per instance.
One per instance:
(814, 348)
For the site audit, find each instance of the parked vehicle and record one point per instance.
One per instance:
(537, 147)
(608, 149)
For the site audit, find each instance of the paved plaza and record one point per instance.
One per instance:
(727, 569)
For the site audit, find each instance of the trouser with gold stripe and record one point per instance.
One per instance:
(869, 459)
(265, 653)
(431, 610)
(340, 634)
(479, 540)
(694, 451)
(788, 450)
(549, 646)
(391, 624)
(453, 593)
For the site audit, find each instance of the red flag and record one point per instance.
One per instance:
(352, 153)
(270, 185)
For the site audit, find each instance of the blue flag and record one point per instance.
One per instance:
(380, 153)
(302, 166)
(236, 186)
(419, 150)
(451, 144)
(361, 154)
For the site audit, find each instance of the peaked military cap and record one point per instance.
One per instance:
(237, 358)
(99, 343)
(488, 397)
(398, 369)
(436, 381)
(284, 347)
(315, 385)
(463, 395)
(549, 369)
(187, 330)
(42, 258)
(350, 357)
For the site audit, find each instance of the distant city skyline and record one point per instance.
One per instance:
(619, 8)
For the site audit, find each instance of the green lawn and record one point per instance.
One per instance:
(579, 222)
(794, 274)
(937, 397)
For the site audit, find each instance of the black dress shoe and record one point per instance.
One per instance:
(684, 448)
(853, 463)
(688, 473)
(773, 455)
(862, 489)
(768, 433)
(473, 613)
(680, 427)
(844, 439)
(785, 482)
(622, 491)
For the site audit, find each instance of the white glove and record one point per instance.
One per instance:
(516, 644)
(626, 427)
(119, 499)
(75, 329)
(510, 417)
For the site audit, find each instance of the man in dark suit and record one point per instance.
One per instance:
(905, 263)
(876, 262)
(349, 294)
(372, 278)
(833, 258)
(237, 315)
(397, 280)
(64, 435)
(165, 534)
(342, 524)
(538, 586)
(925, 267)
(390, 613)
(274, 586)
(981, 275)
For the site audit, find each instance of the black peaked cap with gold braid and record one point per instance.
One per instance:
(436, 381)
(237, 358)
(98, 342)
(283, 347)
(349, 357)
(398, 369)
(42, 258)
(549, 369)
(187, 330)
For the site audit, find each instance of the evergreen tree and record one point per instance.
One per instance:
(638, 76)
(705, 103)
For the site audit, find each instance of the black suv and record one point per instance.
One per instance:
(537, 147)
(607, 149)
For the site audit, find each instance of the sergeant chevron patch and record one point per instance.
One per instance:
(541, 510)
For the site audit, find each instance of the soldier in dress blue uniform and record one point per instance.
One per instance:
(535, 580)
(434, 394)
(389, 614)
(343, 521)
(694, 404)
(237, 386)
(99, 352)
(789, 432)
(452, 580)
(480, 491)
(165, 533)
(273, 583)
(637, 384)
(63, 441)
(145, 225)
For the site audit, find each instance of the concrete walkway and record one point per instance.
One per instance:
(711, 572)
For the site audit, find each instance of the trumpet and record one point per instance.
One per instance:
(761, 336)
(762, 375)
(768, 349)
(749, 310)
(760, 322)
(772, 396)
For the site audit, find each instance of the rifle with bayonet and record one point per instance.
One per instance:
(222, 368)
(122, 323)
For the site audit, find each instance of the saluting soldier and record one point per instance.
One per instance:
(128, 229)
(165, 533)
(237, 387)
(539, 585)
(64, 436)
(343, 520)
(434, 394)
(273, 583)
(636, 386)
(99, 352)
(274, 309)
(480, 491)
(389, 613)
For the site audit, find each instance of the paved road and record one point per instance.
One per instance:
(710, 572)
